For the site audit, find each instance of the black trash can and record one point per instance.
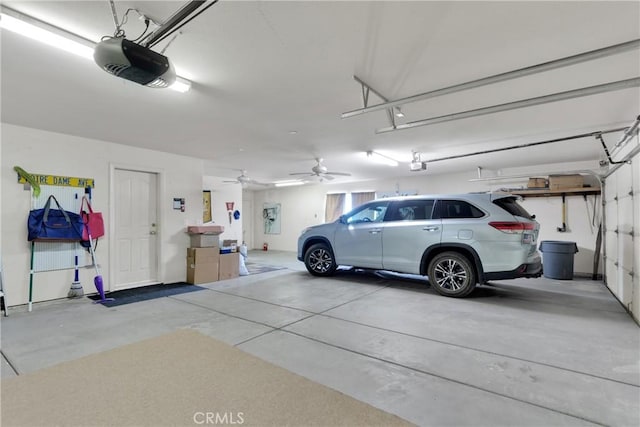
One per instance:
(557, 259)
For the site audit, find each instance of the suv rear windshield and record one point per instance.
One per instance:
(511, 205)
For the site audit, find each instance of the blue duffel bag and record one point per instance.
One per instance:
(54, 224)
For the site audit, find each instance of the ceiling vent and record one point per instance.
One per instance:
(131, 61)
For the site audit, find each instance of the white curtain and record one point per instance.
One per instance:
(334, 207)
(358, 199)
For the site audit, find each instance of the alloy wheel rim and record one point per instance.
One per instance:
(320, 261)
(450, 275)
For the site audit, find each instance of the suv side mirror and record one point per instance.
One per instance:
(342, 219)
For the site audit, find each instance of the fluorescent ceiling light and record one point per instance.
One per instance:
(288, 183)
(46, 36)
(380, 158)
(60, 39)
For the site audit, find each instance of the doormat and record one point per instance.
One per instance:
(145, 293)
(262, 268)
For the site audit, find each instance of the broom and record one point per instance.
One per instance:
(76, 290)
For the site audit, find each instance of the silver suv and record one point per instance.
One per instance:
(456, 240)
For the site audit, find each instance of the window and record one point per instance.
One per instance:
(361, 198)
(341, 203)
(456, 209)
(511, 205)
(372, 212)
(334, 207)
(408, 210)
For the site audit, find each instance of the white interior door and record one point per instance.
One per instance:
(136, 229)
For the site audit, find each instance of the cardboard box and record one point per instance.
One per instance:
(229, 266)
(537, 183)
(204, 240)
(558, 182)
(231, 245)
(205, 229)
(201, 273)
(203, 255)
(202, 265)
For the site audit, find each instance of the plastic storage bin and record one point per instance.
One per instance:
(557, 259)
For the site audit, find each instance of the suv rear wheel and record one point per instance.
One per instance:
(451, 274)
(319, 260)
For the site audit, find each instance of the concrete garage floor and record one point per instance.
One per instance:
(521, 352)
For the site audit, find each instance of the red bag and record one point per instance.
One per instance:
(93, 223)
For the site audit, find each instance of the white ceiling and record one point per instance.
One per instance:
(263, 69)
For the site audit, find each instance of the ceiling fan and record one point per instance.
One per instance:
(244, 179)
(321, 171)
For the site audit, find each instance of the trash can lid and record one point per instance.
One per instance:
(558, 246)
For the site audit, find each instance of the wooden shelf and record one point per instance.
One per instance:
(545, 192)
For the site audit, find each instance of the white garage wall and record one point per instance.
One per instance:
(221, 193)
(304, 205)
(582, 227)
(622, 237)
(58, 154)
(301, 207)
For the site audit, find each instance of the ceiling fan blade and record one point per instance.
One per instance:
(327, 176)
(302, 173)
(338, 173)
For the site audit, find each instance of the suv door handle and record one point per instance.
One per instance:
(432, 228)
(375, 231)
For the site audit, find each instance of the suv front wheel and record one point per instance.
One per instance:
(319, 260)
(451, 274)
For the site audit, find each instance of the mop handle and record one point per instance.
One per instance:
(93, 255)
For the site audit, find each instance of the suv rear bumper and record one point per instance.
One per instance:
(533, 269)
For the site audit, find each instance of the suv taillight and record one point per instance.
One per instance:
(512, 227)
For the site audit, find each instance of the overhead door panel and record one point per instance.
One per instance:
(625, 239)
(611, 237)
(635, 298)
(622, 234)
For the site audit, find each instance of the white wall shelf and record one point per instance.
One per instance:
(545, 192)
